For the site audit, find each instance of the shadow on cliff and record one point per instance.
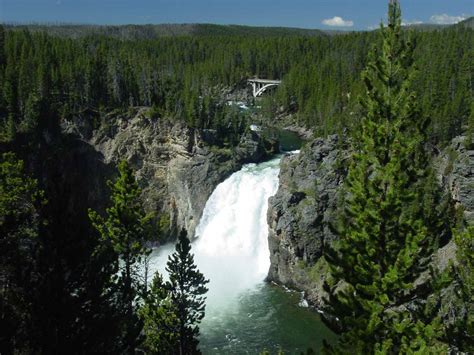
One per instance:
(73, 176)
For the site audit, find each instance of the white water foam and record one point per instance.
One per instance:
(231, 248)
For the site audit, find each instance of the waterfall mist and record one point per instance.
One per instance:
(245, 315)
(232, 247)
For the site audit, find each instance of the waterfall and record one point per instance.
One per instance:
(231, 246)
(245, 315)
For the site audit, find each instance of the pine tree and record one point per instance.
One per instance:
(186, 289)
(2, 47)
(32, 112)
(125, 231)
(2, 66)
(469, 140)
(9, 84)
(160, 323)
(20, 202)
(390, 223)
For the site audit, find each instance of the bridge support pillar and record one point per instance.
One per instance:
(261, 85)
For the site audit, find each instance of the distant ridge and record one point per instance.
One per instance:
(131, 32)
(134, 32)
(427, 27)
(469, 22)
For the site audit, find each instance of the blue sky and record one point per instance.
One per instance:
(326, 14)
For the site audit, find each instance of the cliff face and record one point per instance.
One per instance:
(175, 167)
(300, 213)
(456, 168)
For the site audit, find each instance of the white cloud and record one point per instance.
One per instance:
(404, 23)
(411, 22)
(338, 22)
(445, 19)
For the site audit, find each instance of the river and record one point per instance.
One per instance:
(244, 314)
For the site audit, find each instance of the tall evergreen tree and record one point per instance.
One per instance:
(2, 46)
(389, 225)
(125, 231)
(160, 323)
(73, 75)
(2, 63)
(20, 201)
(186, 288)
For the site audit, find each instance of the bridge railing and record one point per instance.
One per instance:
(259, 86)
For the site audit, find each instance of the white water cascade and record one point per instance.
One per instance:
(245, 315)
(231, 247)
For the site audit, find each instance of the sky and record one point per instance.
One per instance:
(323, 14)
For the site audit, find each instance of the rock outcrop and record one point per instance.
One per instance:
(456, 167)
(175, 166)
(300, 213)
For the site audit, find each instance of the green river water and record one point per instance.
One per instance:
(245, 314)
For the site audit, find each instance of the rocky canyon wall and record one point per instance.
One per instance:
(300, 213)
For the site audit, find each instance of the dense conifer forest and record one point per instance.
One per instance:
(71, 292)
(45, 75)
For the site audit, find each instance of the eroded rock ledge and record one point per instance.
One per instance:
(300, 212)
(310, 184)
(176, 167)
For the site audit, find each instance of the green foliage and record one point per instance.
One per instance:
(160, 323)
(2, 66)
(56, 293)
(32, 113)
(83, 292)
(461, 333)
(469, 140)
(164, 226)
(18, 196)
(183, 77)
(186, 288)
(391, 221)
(60, 294)
(172, 310)
(20, 201)
(2, 45)
(150, 32)
(124, 231)
(8, 131)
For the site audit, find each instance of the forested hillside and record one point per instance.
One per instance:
(128, 32)
(469, 22)
(182, 76)
(143, 110)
